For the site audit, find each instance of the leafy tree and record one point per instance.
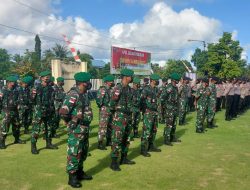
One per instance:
(104, 71)
(38, 48)
(5, 63)
(176, 66)
(48, 55)
(199, 59)
(24, 69)
(60, 51)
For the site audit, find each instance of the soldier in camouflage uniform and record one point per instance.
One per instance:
(169, 98)
(150, 116)
(59, 95)
(77, 113)
(8, 107)
(42, 97)
(162, 111)
(183, 100)
(201, 103)
(136, 102)
(24, 103)
(105, 115)
(121, 104)
(211, 108)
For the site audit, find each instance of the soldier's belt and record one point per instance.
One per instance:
(10, 108)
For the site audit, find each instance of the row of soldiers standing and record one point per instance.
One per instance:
(24, 104)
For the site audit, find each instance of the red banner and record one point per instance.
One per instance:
(138, 61)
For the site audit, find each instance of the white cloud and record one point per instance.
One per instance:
(162, 27)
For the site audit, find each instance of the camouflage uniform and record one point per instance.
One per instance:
(105, 115)
(183, 103)
(25, 107)
(161, 107)
(136, 114)
(59, 95)
(202, 94)
(8, 107)
(211, 108)
(169, 97)
(150, 119)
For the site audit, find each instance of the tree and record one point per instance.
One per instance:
(24, 69)
(38, 48)
(104, 71)
(5, 63)
(60, 51)
(199, 59)
(48, 55)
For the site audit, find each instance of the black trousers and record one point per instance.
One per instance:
(229, 107)
(236, 102)
(218, 104)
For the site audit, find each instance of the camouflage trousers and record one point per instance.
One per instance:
(201, 115)
(149, 129)
(121, 129)
(10, 118)
(162, 113)
(136, 118)
(170, 128)
(55, 121)
(105, 123)
(211, 109)
(25, 115)
(41, 122)
(183, 107)
(78, 144)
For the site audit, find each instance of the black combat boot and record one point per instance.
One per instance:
(136, 135)
(34, 149)
(144, 152)
(2, 143)
(114, 165)
(124, 160)
(19, 141)
(167, 141)
(152, 148)
(81, 175)
(210, 125)
(73, 181)
(108, 142)
(49, 144)
(199, 130)
(101, 146)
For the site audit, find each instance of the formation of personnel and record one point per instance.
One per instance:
(121, 108)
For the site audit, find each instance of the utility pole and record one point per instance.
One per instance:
(202, 41)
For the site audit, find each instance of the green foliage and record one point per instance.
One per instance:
(176, 66)
(5, 63)
(104, 71)
(199, 59)
(38, 48)
(60, 51)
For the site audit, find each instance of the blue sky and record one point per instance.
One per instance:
(95, 25)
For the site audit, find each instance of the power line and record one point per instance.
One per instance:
(50, 37)
(59, 19)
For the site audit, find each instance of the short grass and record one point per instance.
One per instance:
(218, 159)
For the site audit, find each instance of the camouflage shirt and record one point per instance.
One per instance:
(202, 95)
(24, 99)
(136, 99)
(59, 95)
(8, 99)
(169, 98)
(149, 98)
(103, 96)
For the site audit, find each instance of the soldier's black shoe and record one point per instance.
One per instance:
(174, 139)
(136, 135)
(199, 131)
(168, 143)
(34, 149)
(145, 154)
(56, 136)
(114, 165)
(19, 141)
(26, 131)
(152, 148)
(81, 175)
(101, 146)
(124, 160)
(73, 181)
(49, 144)
(2, 143)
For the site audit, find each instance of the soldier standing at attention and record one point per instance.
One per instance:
(24, 103)
(136, 103)
(59, 95)
(162, 111)
(121, 102)
(105, 114)
(170, 99)
(229, 94)
(8, 107)
(150, 116)
(42, 96)
(183, 99)
(201, 104)
(211, 109)
(77, 113)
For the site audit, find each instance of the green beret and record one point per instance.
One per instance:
(44, 73)
(127, 72)
(136, 81)
(52, 79)
(82, 77)
(155, 77)
(164, 79)
(60, 79)
(11, 79)
(175, 76)
(109, 78)
(26, 80)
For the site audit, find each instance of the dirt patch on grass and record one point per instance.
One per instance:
(203, 183)
(247, 154)
(48, 174)
(218, 172)
(62, 187)
(26, 186)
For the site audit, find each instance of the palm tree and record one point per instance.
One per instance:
(60, 51)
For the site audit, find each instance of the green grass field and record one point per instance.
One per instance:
(218, 159)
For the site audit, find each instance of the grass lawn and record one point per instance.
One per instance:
(218, 159)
